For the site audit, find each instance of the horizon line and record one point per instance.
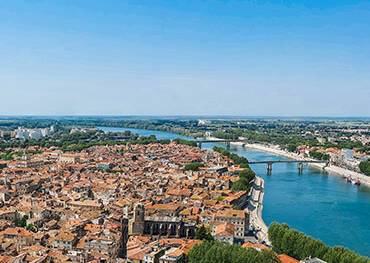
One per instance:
(180, 115)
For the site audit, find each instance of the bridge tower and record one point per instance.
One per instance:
(300, 168)
(269, 168)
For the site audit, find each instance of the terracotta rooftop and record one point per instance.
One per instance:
(225, 229)
(255, 246)
(231, 213)
(16, 231)
(287, 259)
(169, 206)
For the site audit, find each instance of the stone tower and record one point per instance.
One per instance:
(137, 223)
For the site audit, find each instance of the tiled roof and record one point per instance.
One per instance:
(287, 259)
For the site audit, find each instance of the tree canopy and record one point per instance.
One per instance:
(194, 166)
(246, 175)
(298, 245)
(185, 142)
(203, 233)
(217, 252)
(319, 155)
(365, 167)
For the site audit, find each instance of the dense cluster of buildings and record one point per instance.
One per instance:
(346, 158)
(123, 203)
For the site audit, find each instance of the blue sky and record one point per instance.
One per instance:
(169, 57)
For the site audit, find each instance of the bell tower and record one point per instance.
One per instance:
(139, 212)
(137, 223)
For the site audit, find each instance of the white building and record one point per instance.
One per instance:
(33, 134)
(21, 134)
(45, 132)
(203, 122)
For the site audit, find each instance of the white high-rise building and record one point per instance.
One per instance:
(44, 132)
(21, 134)
(36, 134)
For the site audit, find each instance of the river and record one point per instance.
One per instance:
(320, 205)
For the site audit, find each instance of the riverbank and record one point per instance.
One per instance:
(254, 209)
(331, 169)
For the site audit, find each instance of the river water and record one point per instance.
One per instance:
(323, 206)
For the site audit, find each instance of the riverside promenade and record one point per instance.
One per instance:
(254, 208)
(255, 205)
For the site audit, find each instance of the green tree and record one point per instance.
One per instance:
(217, 252)
(319, 155)
(300, 246)
(21, 222)
(365, 167)
(203, 233)
(194, 166)
(241, 185)
(292, 147)
(7, 156)
(246, 175)
(185, 142)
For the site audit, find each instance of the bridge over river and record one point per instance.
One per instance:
(269, 163)
(299, 163)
